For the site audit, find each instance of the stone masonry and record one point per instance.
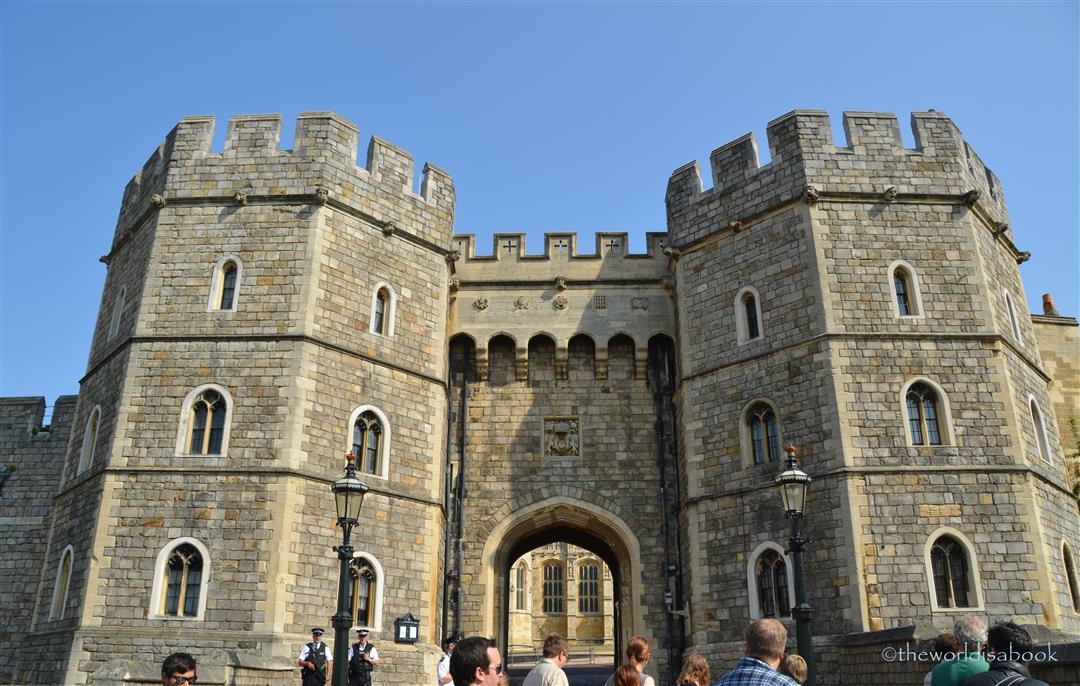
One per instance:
(592, 397)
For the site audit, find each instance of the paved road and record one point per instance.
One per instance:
(577, 675)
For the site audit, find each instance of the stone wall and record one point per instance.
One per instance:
(36, 452)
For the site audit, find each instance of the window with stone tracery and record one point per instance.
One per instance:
(554, 589)
(362, 581)
(184, 584)
(367, 442)
(950, 567)
(589, 588)
(772, 585)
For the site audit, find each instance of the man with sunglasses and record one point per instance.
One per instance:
(476, 662)
(178, 670)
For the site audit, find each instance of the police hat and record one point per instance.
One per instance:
(361, 632)
(451, 638)
(318, 631)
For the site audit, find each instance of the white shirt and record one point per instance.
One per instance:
(372, 654)
(442, 669)
(306, 650)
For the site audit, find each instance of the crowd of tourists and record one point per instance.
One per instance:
(969, 655)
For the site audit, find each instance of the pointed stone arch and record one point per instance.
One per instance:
(586, 525)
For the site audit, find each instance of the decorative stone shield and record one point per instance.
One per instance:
(562, 437)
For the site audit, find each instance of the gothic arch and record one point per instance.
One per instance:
(586, 525)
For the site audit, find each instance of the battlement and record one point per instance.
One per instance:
(803, 154)
(561, 257)
(323, 159)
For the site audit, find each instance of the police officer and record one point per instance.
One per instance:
(315, 661)
(362, 659)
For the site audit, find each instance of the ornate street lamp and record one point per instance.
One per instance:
(348, 498)
(793, 483)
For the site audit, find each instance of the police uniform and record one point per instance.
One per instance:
(360, 668)
(319, 655)
(442, 668)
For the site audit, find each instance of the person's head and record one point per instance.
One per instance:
(626, 675)
(945, 643)
(449, 642)
(970, 633)
(695, 670)
(556, 649)
(316, 634)
(765, 641)
(178, 669)
(637, 651)
(794, 666)
(476, 660)
(1005, 638)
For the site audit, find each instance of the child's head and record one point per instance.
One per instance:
(795, 667)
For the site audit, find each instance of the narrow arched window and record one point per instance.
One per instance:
(923, 410)
(520, 576)
(1013, 323)
(589, 588)
(207, 423)
(750, 308)
(764, 436)
(553, 589)
(63, 582)
(748, 324)
(378, 324)
(362, 596)
(1040, 430)
(1070, 577)
(772, 582)
(367, 442)
(949, 563)
(902, 287)
(117, 312)
(228, 286)
(184, 583)
(89, 442)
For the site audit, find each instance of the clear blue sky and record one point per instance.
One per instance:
(549, 117)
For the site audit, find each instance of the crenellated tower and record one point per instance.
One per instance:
(865, 303)
(264, 309)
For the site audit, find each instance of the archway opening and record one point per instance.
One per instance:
(566, 581)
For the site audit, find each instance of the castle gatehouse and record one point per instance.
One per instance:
(268, 310)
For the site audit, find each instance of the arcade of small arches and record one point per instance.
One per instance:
(502, 360)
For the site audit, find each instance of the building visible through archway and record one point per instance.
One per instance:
(564, 589)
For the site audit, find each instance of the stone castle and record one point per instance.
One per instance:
(267, 311)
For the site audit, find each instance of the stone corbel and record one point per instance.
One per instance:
(453, 256)
(971, 197)
(601, 359)
(561, 356)
(455, 285)
(560, 283)
(388, 229)
(521, 364)
(1022, 257)
(481, 364)
(322, 195)
(999, 228)
(240, 198)
(734, 225)
(890, 194)
(810, 195)
(672, 252)
(157, 200)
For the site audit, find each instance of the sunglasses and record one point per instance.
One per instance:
(181, 680)
(497, 668)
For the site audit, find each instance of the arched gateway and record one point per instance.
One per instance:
(572, 521)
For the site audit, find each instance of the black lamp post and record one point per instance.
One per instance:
(348, 498)
(793, 483)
